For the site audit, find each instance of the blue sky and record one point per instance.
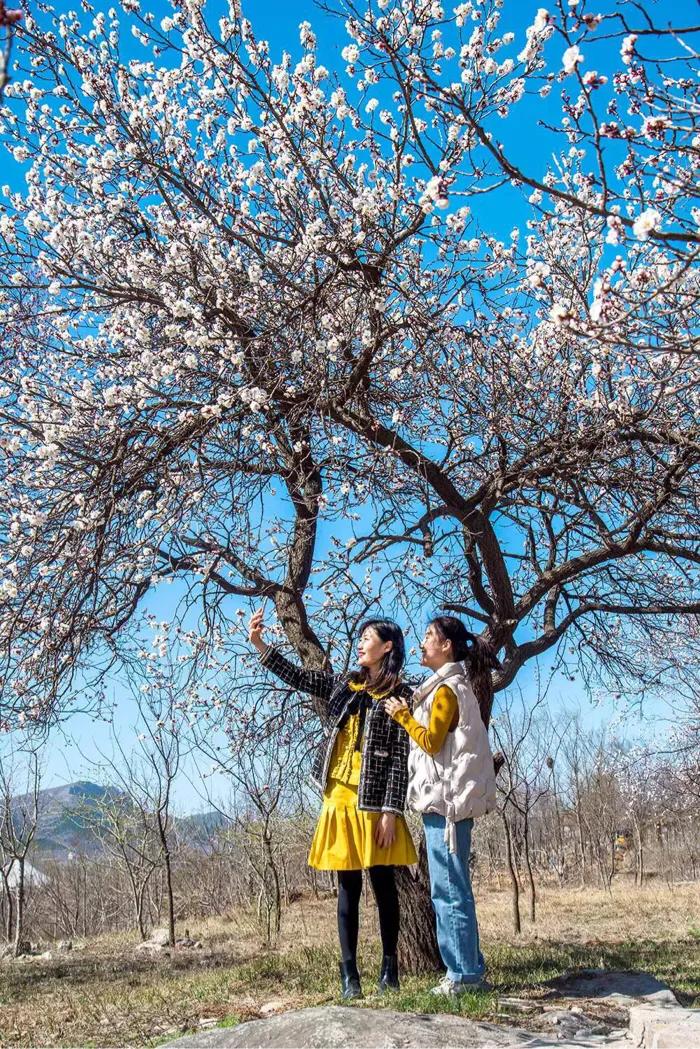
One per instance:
(279, 24)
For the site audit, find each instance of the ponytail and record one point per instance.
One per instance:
(478, 656)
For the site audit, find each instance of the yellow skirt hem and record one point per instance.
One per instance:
(344, 835)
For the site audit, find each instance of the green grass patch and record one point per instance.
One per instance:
(230, 1021)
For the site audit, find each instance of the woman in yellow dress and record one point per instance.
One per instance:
(362, 769)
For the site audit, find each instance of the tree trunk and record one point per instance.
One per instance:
(170, 897)
(19, 906)
(286, 895)
(161, 824)
(138, 896)
(271, 889)
(418, 946)
(530, 876)
(9, 913)
(515, 887)
(581, 843)
(639, 871)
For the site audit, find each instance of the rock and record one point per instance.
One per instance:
(152, 948)
(277, 1005)
(518, 1005)
(573, 1025)
(601, 983)
(664, 1027)
(159, 937)
(338, 1027)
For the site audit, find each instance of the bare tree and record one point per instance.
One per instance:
(266, 771)
(20, 787)
(121, 822)
(529, 741)
(135, 819)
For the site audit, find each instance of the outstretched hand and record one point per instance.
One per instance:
(8, 17)
(256, 628)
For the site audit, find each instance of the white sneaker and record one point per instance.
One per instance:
(453, 988)
(448, 987)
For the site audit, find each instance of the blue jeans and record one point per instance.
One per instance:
(453, 899)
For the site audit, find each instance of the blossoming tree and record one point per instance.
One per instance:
(263, 334)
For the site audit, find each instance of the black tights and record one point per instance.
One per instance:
(349, 892)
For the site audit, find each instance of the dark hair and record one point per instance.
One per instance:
(466, 647)
(392, 664)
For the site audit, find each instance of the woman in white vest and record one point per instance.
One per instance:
(451, 781)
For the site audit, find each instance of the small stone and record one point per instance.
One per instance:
(519, 1005)
(274, 1006)
(150, 947)
(159, 937)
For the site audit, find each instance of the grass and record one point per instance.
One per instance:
(106, 995)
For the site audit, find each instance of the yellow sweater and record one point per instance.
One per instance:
(444, 716)
(346, 758)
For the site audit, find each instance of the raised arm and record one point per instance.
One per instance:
(319, 683)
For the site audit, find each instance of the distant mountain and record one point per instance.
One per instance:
(61, 828)
(64, 820)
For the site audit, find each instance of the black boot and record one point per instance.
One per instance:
(349, 981)
(389, 976)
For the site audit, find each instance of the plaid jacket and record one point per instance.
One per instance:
(385, 745)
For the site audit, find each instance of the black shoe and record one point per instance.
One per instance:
(389, 976)
(349, 981)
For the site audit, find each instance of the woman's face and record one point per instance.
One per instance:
(371, 649)
(435, 650)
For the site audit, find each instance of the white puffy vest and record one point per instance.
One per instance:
(458, 782)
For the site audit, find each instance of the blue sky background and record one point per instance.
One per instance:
(528, 144)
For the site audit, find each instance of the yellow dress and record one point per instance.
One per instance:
(344, 835)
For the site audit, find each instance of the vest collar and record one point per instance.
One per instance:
(446, 673)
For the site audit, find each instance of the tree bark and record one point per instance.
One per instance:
(515, 886)
(418, 946)
(639, 869)
(9, 914)
(167, 868)
(19, 906)
(528, 867)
